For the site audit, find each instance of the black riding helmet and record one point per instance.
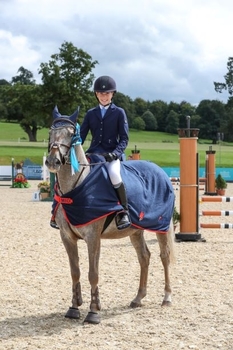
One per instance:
(105, 84)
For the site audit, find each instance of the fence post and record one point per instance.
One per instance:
(12, 171)
(210, 172)
(189, 185)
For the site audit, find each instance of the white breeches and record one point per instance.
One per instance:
(114, 172)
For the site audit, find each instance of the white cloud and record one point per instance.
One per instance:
(163, 49)
(15, 52)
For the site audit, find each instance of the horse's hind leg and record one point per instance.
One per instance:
(143, 253)
(70, 244)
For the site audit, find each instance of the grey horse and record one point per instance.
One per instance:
(64, 140)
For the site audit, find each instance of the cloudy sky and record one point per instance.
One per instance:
(170, 50)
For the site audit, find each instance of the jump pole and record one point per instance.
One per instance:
(217, 199)
(217, 212)
(219, 226)
(189, 185)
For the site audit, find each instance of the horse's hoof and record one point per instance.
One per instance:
(92, 317)
(133, 304)
(166, 303)
(73, 312)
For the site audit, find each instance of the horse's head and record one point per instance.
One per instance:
(63, 135)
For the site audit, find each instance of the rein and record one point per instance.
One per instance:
(96, 163)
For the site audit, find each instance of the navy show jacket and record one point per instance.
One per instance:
(109, 134)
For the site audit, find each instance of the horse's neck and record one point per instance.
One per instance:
(66, 180)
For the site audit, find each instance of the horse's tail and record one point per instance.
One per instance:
(171, 242)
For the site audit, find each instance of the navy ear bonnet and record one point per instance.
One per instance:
(64, 120)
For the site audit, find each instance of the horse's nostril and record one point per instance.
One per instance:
(52, 162)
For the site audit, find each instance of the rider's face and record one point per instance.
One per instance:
(104, 98)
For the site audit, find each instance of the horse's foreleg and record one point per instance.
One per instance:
(165, 258)
(143, 253)
(72, 251)
(94, 255)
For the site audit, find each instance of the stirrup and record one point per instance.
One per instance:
(122, 220)
(53, 224)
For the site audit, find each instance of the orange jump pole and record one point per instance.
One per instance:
(217, 225)
(210, 173)
(189, 185)
(217, 199)
(217, 212)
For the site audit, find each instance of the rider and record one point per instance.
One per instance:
(109, 129)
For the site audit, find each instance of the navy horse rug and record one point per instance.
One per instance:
(149, 192)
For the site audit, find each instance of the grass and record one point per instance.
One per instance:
(160, 148)
(13, 132)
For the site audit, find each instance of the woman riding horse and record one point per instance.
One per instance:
(109, 129)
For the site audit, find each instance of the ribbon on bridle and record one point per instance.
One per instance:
(76, 140)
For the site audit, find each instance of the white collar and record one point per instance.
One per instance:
(105, 107)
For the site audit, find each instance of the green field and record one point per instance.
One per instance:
(160, 148)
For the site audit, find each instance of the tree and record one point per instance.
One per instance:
(212, 118)
(172, 122)
(127, 104)
(139, 124)
(228, 85)
(4, 82)
(67, 79)
(24, 104)
(159, 109)
(140, 106)
(3, 111)
(229, 127)
(23, 101)
(150, 121)
(25, 77)
(186, 109)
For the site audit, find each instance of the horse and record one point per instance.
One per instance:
(72, 167)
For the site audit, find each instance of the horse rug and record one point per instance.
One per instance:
(149, 191)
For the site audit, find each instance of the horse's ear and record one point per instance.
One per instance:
(56, 113)
(74, 116)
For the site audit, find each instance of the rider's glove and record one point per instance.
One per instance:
(109, 157)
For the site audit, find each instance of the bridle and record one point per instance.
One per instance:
(60, 123)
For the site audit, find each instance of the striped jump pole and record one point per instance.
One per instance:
(217, 199)
(217, 212)
(221, 225)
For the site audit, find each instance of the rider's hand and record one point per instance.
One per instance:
(109, 157)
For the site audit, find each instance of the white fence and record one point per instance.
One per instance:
(31, 172)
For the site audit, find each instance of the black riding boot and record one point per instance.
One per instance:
(122, 218)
